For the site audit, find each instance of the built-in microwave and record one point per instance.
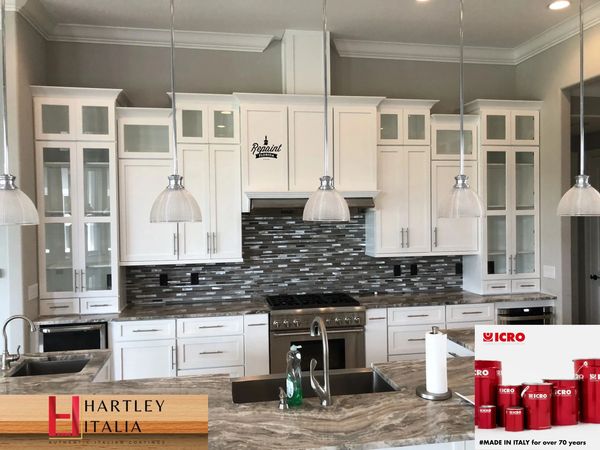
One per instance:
(78, 336)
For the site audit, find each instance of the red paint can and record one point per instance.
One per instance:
(507, 395)
(514, 418)
(565, 402)
(488, 375)
(537, 401)
(588, 372)
(487, 416)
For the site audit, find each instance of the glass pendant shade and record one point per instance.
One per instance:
(326, 204)
(581, 200)
(461, 201)
(16, 208)
(175, 204)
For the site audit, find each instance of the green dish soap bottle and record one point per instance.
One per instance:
(294, 377)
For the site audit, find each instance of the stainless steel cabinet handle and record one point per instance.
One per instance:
(211, 326)
(402, 237)
(256, 325)
(216, 352)
(147, 330)
(83, 283)
(75, 286)
(415, 339)
(214, 246)
(514, 265)
(472, 312)
(527, 285)
(407, 243)
(101, 305)
(418, 315)
(510, 264)
(435, 237)
(174, 243)
(498, 287)
(173, 357)
(376, 318)
(208, 243)
(60, 307)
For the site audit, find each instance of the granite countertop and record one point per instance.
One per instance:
(97, 360)
(370, 421)
(259, 306)
(465, 337)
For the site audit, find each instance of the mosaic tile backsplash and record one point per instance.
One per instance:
(283, 254)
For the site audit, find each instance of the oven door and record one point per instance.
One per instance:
(55, 338)
(346, 348)
(540, 315)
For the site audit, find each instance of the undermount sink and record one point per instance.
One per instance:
(35, 367)
(343, 382)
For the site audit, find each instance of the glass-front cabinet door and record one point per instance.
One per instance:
(97, 121)
(495, 127)
(525, 200)
(390, 127)
(525, 127)
(224, 125)
(445, 137)
(497, 210)
(416, 127)
(192, 125)
(55, 118)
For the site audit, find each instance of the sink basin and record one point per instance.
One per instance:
(49, 367)
(343, 382)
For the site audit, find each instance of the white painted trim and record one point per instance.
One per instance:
(187, 98)
(303, 195)
(407, 103)
(287, 99)
(79, 92)
(475, 106)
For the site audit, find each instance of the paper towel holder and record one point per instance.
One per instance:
(424, 393)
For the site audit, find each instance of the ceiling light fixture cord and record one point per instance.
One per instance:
(5, 109)
(174, 104)
(325, 102)
(581, 88)
(461, 93)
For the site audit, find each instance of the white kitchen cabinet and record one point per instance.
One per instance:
(483, 312)
(399, 223)
(452, 236)
(210, 326)
(445, 137)
(104, 374)
(256, 344)
(404, 122)
(142, 242)
(145, 133)
(355, 148)
(376, 345)
(74, 114)
(144, 359)
(218, 351)
(508, 122)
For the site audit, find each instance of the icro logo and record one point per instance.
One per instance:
(53, 416)
(563, 392)
(504, 337)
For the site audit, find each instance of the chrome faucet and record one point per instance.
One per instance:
(7, 358)
(317, 327)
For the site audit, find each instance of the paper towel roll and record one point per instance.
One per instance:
(436, 371)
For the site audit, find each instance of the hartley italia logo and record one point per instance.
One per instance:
(504, 337)
(265, 150)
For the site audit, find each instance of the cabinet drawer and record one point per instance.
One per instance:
(470, 313)
(142, 330)
(525, 286)
(199, 353)
(210, 326)
(408, 339)
(420, 315)
(233, 372)
(496, 287)
(99, 305)
(59, 307)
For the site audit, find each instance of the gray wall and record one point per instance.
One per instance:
(420, 79)
(144, 74)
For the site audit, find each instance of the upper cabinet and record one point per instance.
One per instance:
(508, 122)
(207, 118)
(445, 131)
(145, 133)
(75, 114)
(404, 122)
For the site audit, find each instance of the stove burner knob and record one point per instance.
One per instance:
(356, 319)
(296, 323)
(347, 320)
(327, 322)
(337, 321)
(286, 323)
(275, 324)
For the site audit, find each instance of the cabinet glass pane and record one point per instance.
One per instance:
(525, 128)
(496, 232)
(525, 180)
(57, 182)
(191, 123)
(389, 126)
(416, 126)
(496, 126)
(496, 181)
(55, 119)
(94, 119)
(146, 138)
(98, 275)
(448, 142)
(96, 182)
(59, 257)
(525, 259)
(223, 124)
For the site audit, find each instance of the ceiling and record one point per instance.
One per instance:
(488, 23)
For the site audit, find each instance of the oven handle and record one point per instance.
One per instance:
(523, 318)
(307, 333)
(73, 328)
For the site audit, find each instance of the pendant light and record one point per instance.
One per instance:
(16, 208)
(582, 199)
(175, 204)
(462, 201)
(326, 204)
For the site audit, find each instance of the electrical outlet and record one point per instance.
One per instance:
(163, 279)
(414, 269)
(194, 278)
(459, 269)
(397, 270)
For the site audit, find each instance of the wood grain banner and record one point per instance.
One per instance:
(75, 416)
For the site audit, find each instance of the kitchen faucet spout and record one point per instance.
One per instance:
(317, 327)
(7, 357)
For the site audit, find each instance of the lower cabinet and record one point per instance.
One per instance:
(256, 344)
(376, 333)
(144, 359)
(211, 352)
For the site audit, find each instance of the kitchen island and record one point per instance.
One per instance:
(379, 420)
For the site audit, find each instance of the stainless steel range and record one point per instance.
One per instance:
(291, 316)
